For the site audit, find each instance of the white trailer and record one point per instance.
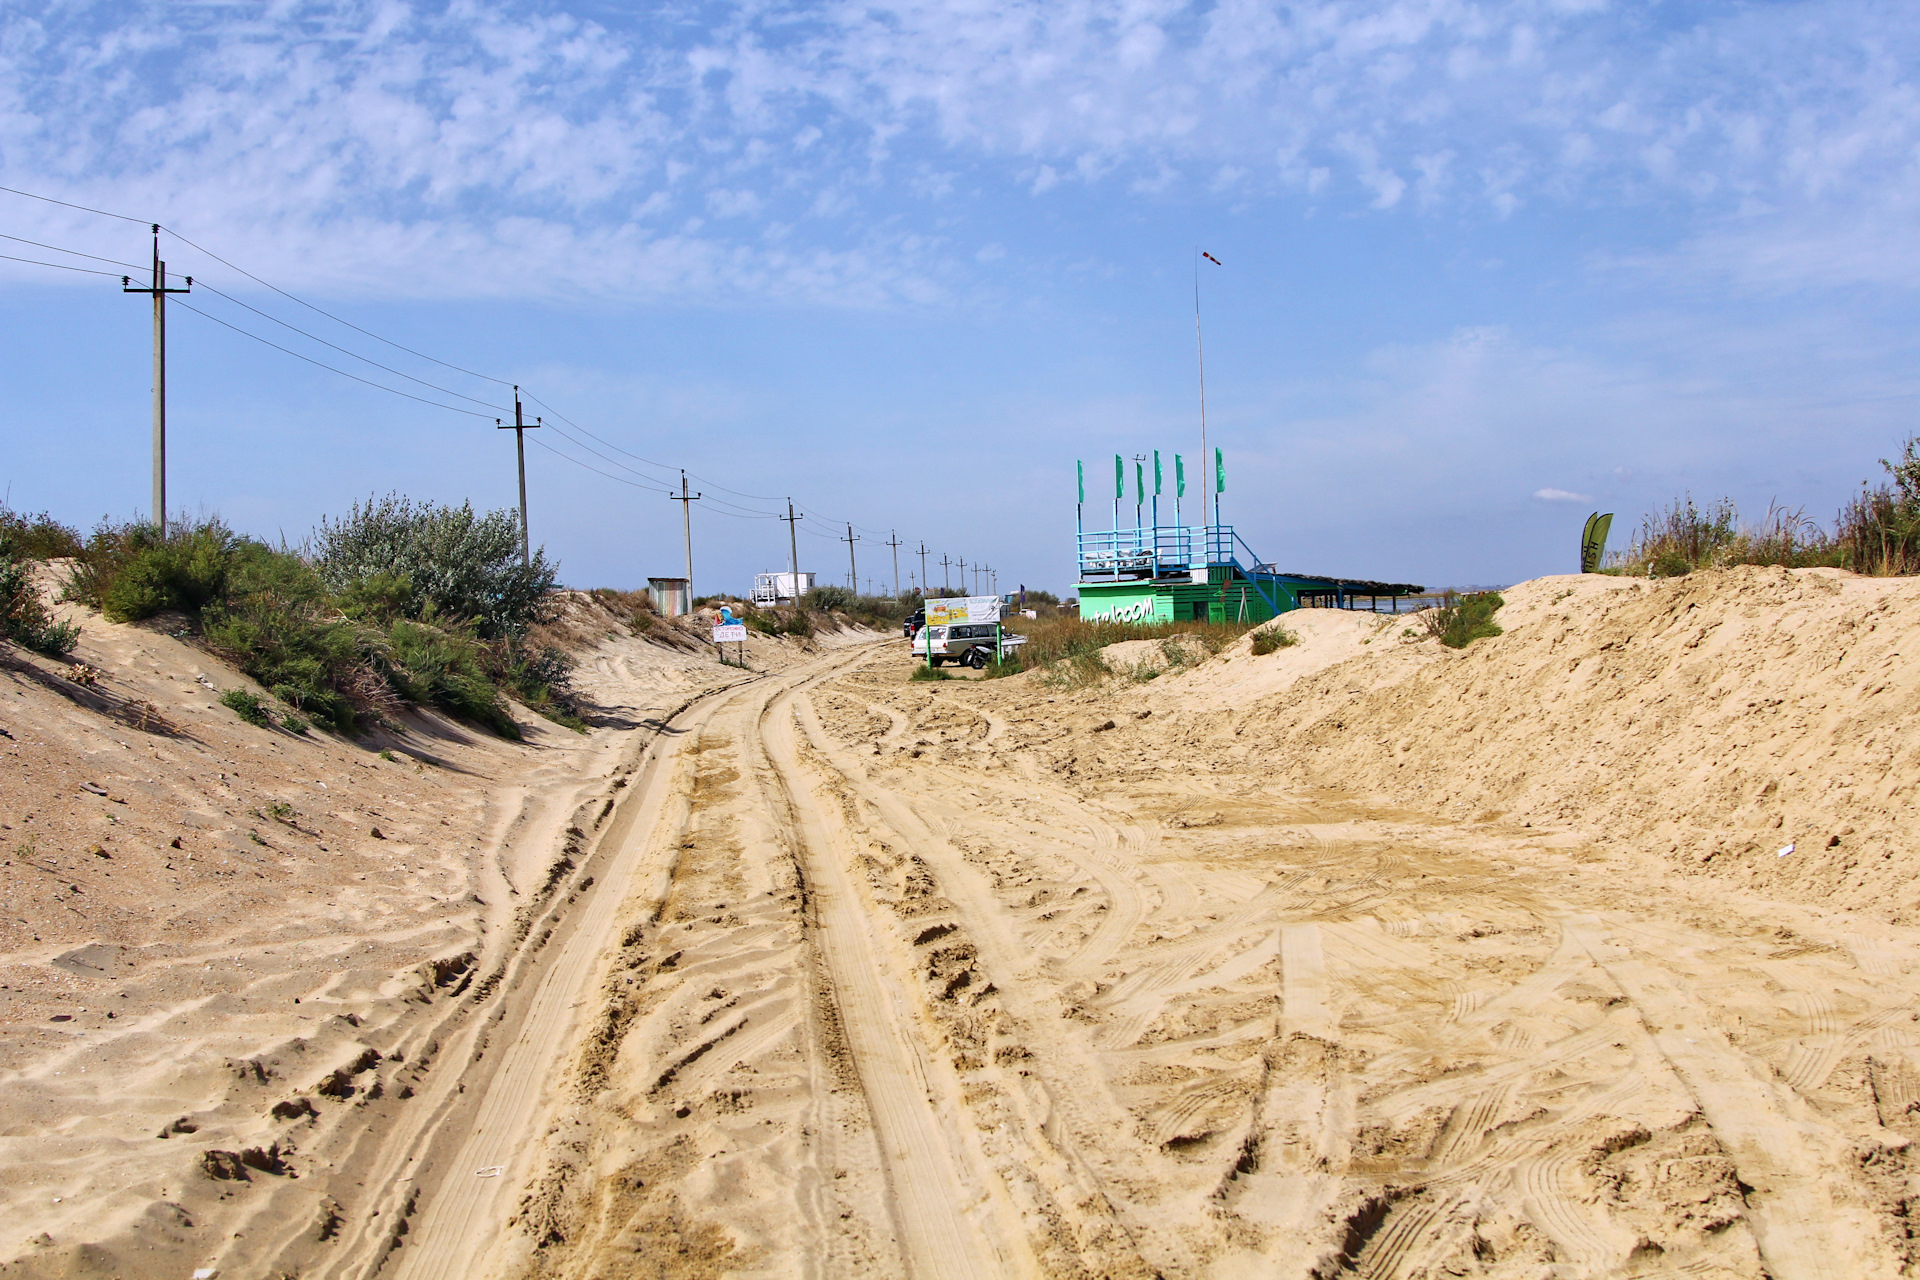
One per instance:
(778, 588)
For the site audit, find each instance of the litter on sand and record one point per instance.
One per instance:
(491, 1171)
(1784, 852)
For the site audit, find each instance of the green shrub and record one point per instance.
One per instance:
(924, 672)
(128, 572)
(448, 670)
(1269, 639)
(457, 565)
(1464, 619)
(541, 675)
(24, 618)
(247, 706)
(277, 625)
(294, 722)
(405, 602)
(38, 537)
(828, 600)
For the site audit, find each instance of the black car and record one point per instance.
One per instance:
(914, 622)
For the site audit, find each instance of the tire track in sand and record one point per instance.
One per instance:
(951, 1215)
(456, 1236)
(1790, 1209)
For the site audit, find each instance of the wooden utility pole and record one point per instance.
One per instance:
(793, 545)
(520, 428)
(895, 544)
(686, 501)
(159, 291)
(853, 572)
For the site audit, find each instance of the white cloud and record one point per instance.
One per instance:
(435, 131)
(1561, 495)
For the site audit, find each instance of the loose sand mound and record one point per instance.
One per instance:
(1717, 719)
(226, 951)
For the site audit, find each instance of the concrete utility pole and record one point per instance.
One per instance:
(520, 428)
(853, 572)
(895, 544)
(925, 581)
(159, 291)
(686, 501)
(946, 583)
(793, 545)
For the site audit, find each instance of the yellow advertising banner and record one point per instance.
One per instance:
(958, 610)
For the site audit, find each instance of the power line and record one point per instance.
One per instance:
(329, 368)
(567, 457)
(343, 351)
(131, 266)
(329, 315)
(737, 512)
(81, 207)
(60, 266)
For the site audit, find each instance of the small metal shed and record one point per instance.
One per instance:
(671, 596)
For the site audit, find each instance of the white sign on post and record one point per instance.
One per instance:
(729, 633)
(962, 609)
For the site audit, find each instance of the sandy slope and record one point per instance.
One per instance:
(1361, 957)
(231, 939)
(1172, 1004)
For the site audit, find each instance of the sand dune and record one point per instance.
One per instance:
(1363, 956)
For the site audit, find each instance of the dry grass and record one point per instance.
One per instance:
(1067, 649)
(1685, 537)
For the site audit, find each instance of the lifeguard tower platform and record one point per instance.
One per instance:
(1201, 573)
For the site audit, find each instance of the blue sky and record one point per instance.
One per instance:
(1487, 266)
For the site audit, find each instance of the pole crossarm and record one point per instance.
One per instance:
(686, 511)
(520, 428)
(853, 571)
(158, 291)
(793, 547)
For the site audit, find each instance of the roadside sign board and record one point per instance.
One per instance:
(959, 610)
(729, 633)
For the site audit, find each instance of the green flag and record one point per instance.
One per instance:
(1080, 475)
(1179, 476)
(1593, 541)
(1156, 473)
(1139, 483)
(1219, 472)
(1119, 477)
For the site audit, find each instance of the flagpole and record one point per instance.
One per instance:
(1200, 350)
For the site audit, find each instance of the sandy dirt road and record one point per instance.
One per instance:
(902, 986)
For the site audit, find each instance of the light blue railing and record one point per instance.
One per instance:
(1156, 551)
(1169, 549)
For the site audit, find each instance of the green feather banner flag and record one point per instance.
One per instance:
(1139, 483)
(1080, 475)
(1593, 541)
(1156, 473)
(1219, 472)
(1119, 477)
(1179, 476)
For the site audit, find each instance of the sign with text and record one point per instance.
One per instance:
(962, 609)
(729, 633)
